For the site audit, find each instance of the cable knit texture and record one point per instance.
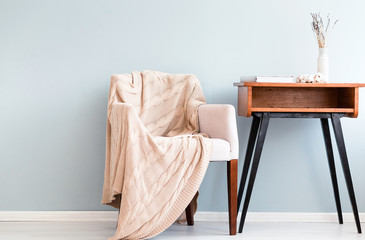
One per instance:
(155, 160)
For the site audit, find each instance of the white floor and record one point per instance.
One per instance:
(201, 230)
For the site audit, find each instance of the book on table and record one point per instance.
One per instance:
(271, 79)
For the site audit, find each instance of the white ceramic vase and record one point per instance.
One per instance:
(322, 63)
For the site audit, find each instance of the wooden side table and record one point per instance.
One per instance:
(325, 101)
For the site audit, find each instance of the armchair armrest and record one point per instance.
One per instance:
(219, 121)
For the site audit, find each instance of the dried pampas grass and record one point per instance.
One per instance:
(321, 32)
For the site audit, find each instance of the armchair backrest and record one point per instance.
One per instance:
(166, 103)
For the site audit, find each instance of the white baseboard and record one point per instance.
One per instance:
(57, 216)
(279, 217)
(85, 216)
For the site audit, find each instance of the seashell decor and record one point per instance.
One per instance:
(313, 78)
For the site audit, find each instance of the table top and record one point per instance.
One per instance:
(321, 85)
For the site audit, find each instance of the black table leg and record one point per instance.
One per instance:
(246, 165)
(255, 163)
(345, 166)
(331, 164)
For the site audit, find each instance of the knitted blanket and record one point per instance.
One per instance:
(155, 160)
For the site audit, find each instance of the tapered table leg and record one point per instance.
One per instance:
(246, 165)
(255, 163)
(345, 166)
(331, 164)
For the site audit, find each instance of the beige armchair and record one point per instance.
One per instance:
(219, 122)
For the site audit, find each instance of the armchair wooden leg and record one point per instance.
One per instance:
(232, 195)
(191, 209)
(189, 214)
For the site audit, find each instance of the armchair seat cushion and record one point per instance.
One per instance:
(221, 150)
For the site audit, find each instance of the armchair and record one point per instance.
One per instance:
(150, 118)
(219, 122)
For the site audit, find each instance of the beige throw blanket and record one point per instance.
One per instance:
(155, 161)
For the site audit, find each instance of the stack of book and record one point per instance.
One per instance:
(271, 79)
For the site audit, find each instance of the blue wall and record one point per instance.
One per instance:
(56, 58)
